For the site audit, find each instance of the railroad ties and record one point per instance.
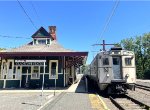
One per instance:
(125, 102)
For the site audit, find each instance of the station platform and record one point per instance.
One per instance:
(77, 98)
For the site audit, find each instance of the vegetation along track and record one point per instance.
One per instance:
(142, 87)
(125, 102)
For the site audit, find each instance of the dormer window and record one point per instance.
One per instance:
(34, 41)
(42, 37)
(48, 41)
(42, 41)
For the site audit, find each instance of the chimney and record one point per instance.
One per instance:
(52, 31)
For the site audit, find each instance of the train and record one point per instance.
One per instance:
(113, 71)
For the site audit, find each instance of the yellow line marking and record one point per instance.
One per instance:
(97, 103)
(106, 108)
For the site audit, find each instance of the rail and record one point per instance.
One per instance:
(147, 88)
(124, 100)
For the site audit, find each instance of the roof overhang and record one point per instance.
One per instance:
(41, 37)
(73, 58)
(3, 54)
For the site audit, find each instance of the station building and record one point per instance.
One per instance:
(26, 65)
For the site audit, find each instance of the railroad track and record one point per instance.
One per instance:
(125, 102)
(142, 87)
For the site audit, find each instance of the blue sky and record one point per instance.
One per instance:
(79, 23)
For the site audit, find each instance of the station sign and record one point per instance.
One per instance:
(30, 62)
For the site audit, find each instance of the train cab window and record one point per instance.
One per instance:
(128, 61)
(105, 61)
(115, 61)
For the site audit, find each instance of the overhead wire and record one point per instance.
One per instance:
(36, 12)
(27, 15)
(4, 36)
(109, 18)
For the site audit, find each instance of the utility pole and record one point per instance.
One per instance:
(103, 44)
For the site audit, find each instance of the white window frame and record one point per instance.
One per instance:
(42, 40)
(8, 69)
(17, 74)
(32, 69)
(50, 62)
(0, 69)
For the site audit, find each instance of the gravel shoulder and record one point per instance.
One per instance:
(143, 82)
(141, 95)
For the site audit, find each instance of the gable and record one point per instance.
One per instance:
(41, 33)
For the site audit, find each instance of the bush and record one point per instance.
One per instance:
(147, 74)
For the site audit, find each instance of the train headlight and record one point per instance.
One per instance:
(107, 75)
(127, 75)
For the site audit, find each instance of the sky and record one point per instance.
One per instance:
(79, 23)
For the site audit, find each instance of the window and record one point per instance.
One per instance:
(53, 69)
(48, 41)
(115, 61)
(4, 70)
(41, 41)
(34, 41)
(4, 65)
(10, 65)
(41, 69)
(18, 72)
(14, 71)
(25, 69)
(35, 73)
(105, 61)
(0, 71)
(128, 61)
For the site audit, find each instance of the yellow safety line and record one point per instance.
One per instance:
(97, 103)
(106, 108)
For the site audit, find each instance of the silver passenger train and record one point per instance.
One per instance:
(114, 71)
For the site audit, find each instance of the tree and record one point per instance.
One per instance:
(84, 69)
(141, 47)
(2, 49)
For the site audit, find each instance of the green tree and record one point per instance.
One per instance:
(2, 49)
(84, 68)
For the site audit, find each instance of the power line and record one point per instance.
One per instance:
(109, 18)
(36, 12)
(4, 36)
(27, 15)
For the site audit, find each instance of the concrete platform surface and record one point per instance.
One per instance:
(77, 98)
(76, 101)
(23, 101)
(73, 98)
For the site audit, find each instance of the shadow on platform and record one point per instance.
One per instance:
(81, 88)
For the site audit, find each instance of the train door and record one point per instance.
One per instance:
(116, 67)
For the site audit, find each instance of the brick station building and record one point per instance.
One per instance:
(24, 66)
